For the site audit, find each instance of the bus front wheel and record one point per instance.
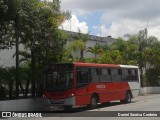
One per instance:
(93, 102)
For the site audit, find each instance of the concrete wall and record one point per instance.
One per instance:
(150, 90)
(36, 104)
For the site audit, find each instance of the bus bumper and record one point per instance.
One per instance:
(71, 101)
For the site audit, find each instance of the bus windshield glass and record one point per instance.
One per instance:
(59, 77)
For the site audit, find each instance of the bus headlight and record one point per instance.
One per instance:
(71, 95)
(44, 96)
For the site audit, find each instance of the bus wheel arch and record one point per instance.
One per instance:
(128, 97)
(94, 100)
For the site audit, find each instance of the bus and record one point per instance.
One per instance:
(78, 84)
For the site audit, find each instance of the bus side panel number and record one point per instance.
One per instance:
(100, 86)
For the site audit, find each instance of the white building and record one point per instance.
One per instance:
(91, 42)
(7, 59)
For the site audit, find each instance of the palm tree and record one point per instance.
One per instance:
(79, 46)
(95, 50)
(80, 43)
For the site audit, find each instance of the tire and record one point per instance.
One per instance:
(67, 108)
(128, 98)
(93, 102)
(106, 103)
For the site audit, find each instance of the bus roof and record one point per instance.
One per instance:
(95, 64)
(104, 65)
(128, 66)
(99, 65)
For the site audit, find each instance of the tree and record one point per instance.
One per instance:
(106, 47)
(79, 46)
(3, 9)
(9, 22)
(127, 49)
(6, 28)
(34, 24)
(40, 34)
(111, 57)
(120, 44)
(79, 43)
(95, 50)
(142, 45)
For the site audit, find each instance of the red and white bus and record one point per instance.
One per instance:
(76, 84)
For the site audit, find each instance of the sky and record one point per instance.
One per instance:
(113, 17)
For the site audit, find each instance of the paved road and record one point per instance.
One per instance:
(149, 103)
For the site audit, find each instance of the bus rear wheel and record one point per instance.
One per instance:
(128, 98)
(93, 102)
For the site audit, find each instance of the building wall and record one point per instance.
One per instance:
(91, 42)
(150, 90)
(36, 104)
(7, 59)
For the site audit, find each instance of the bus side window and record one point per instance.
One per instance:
(129, 75)
(105, 76)
(94, 73)
(109, 71)
(136, 75)
(115, 76)
(119, 75)
(124, 74)
(82, 78)
(133, 75)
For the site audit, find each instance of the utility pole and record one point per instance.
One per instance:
(100, 31)
(70, 24)
(147, 23)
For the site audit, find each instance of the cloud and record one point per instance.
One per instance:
(119, 29)
(119, 17)
(74, 24)
(134, 9)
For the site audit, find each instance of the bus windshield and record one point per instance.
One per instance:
(59, 78)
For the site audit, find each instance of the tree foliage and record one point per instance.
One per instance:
(34, 25)
(138, 49)
(79, 44)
